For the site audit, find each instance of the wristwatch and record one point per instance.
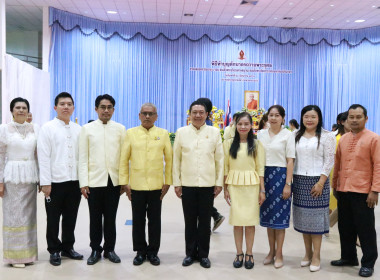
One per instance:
(289, 184)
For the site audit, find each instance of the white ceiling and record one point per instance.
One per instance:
(333, 14)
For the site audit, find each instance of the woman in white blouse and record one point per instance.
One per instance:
(315, 148)
(18, 186)
(275, 211)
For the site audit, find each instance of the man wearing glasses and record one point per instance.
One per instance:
(99, 151)
(141, 174)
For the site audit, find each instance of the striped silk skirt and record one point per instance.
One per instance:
(20, 223)
(310, 214)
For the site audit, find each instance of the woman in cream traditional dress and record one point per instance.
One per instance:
(18, 187)
(244, 186)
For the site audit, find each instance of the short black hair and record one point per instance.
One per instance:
(63, 94)
(207, 102)
(104, 96)
(235, 115)
(19, 99)
(197, 102)
(279, 108)
(355, 106)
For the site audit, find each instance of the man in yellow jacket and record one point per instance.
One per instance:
(141, 173)
(198, 170)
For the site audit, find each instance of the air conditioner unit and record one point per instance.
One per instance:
(249, 2)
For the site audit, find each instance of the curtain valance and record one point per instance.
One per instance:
(215, 33)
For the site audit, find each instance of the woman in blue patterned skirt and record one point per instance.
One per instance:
(275, 211)
(315, 148)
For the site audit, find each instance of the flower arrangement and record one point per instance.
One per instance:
(254, 113)
(216, 116)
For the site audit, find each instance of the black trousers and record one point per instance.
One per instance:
(197, 206)
(355, 218)
(103, 203)
(64, 201)
(146, 203)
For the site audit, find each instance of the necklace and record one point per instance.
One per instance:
(21, 135)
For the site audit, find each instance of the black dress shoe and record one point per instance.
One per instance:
(365, 272)
(188, 261)
(71, 254)
(112, 257)
(154, 259)
(55, 259)
(94, 257)
(249, 264)
(342, 262)
(139, 259)
(205, 262)
(217, 222)
(238, 262)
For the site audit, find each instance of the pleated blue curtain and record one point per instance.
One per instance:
(138, 70)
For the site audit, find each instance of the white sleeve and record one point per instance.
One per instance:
(291, 147)
(44, 152)
(328, 153)
(3, 150)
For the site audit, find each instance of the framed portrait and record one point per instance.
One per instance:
(251, 100)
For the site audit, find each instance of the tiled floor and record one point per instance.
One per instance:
(172, 252)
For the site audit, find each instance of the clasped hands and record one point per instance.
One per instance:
(128, 191)
(178, 191)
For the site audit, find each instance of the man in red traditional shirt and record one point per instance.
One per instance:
(356, 185)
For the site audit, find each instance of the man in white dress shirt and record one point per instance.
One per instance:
(198, 163)
(57, 158)
(99, 153)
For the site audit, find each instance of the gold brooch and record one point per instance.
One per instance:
(156, 138)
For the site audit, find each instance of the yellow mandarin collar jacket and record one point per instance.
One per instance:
(198, 157)
(99, 153)
(142, 158)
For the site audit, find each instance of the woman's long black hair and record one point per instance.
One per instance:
(235, 146)
(302, 129)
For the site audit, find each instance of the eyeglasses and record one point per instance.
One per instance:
(150, 114)
(103, 108)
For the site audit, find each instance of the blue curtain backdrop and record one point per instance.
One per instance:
(138, 63)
